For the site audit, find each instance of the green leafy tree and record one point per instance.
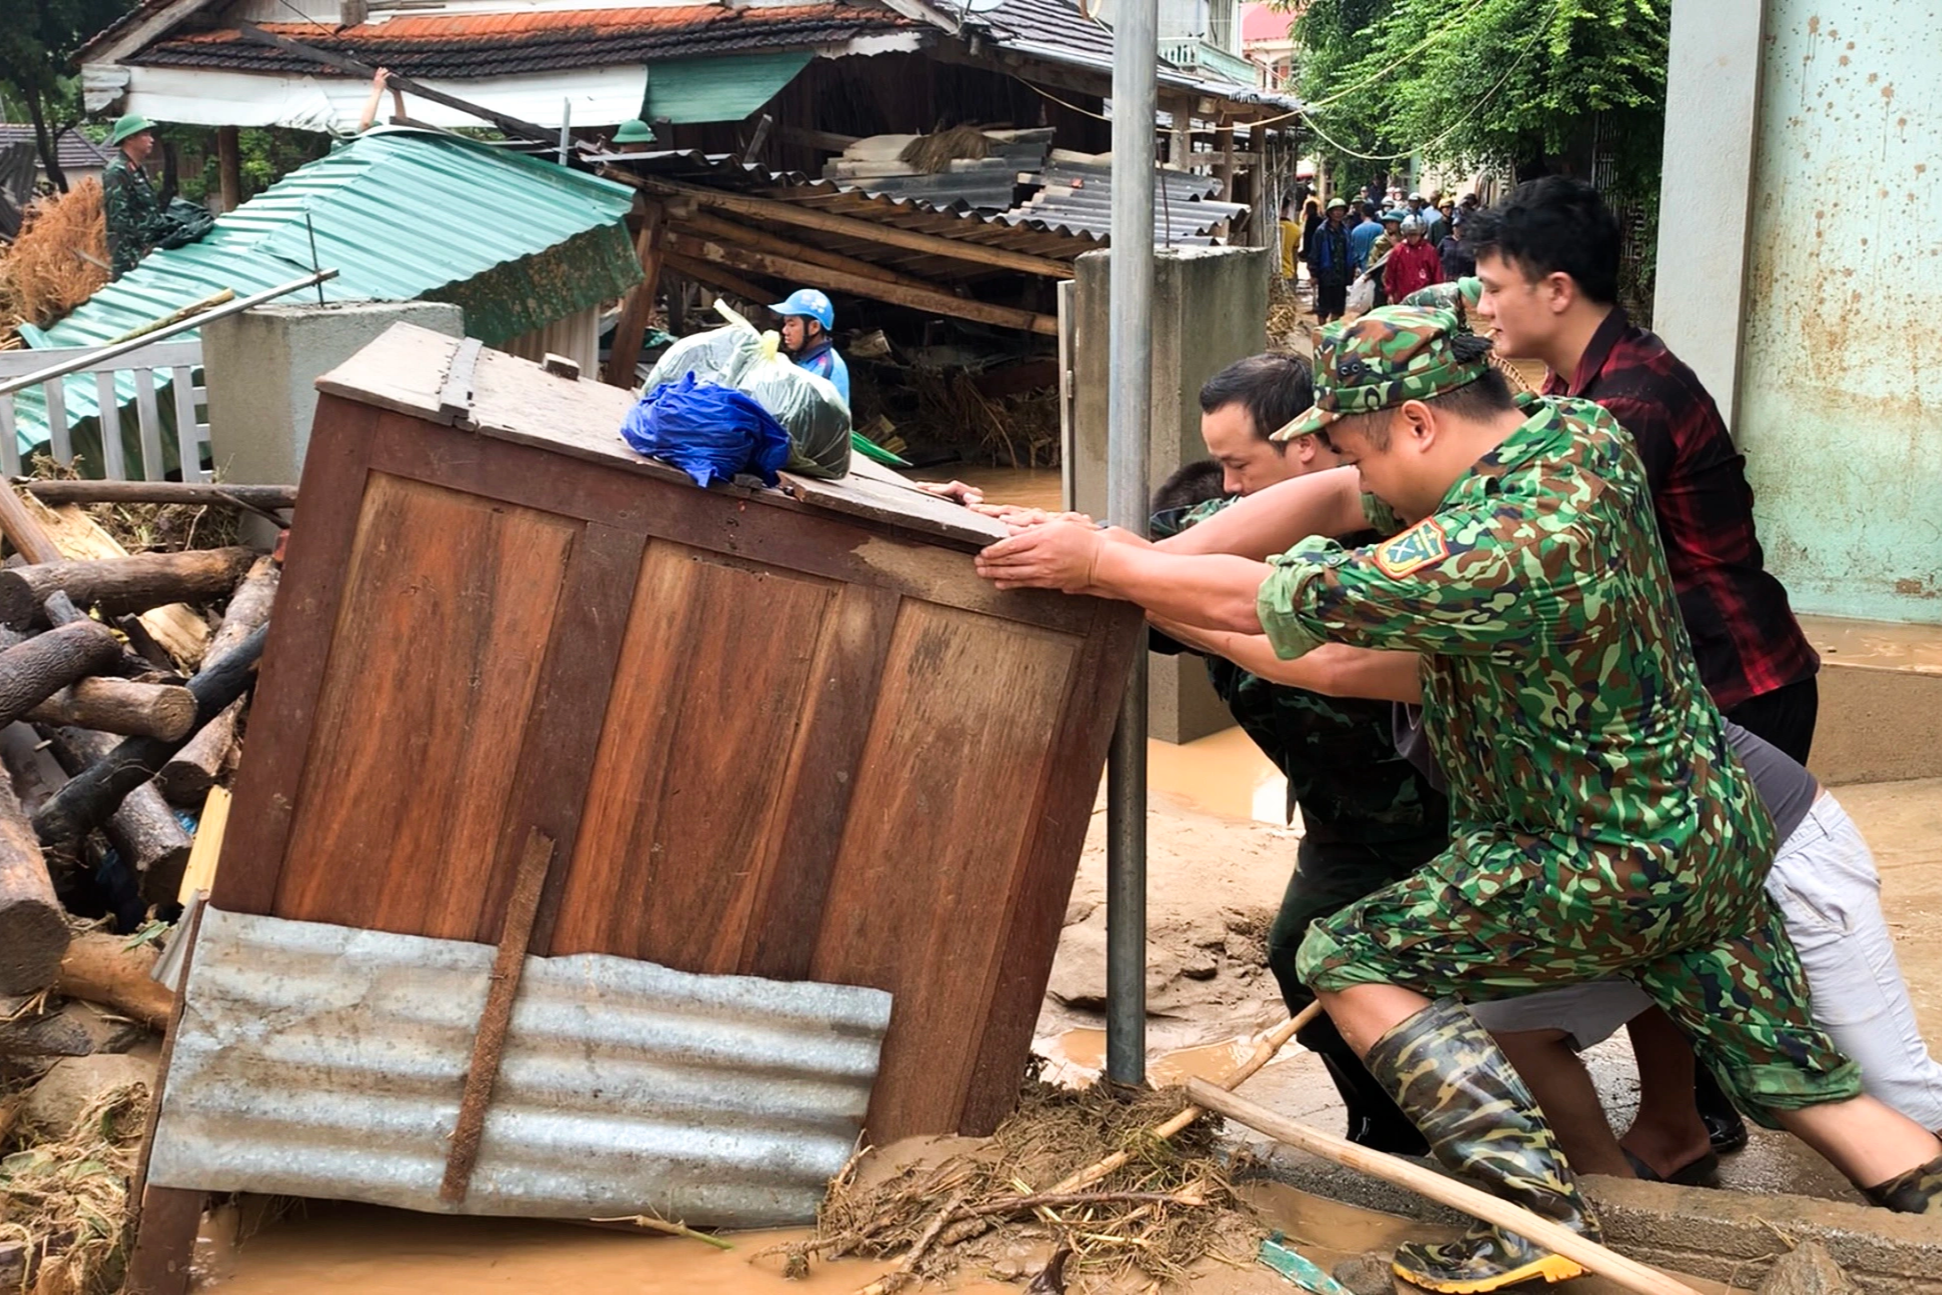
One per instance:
(38, 39)
(1510, 82)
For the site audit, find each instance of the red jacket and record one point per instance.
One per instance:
(1411, 266)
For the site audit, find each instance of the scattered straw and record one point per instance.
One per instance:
(1169, 1205)
(929, 154)
(151, 528)
(44, 276)
(67, 1197)
(1018, 431)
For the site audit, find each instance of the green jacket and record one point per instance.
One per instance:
(1561, 694)
(136, 221)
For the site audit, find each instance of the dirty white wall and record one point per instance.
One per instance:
(1839, 380)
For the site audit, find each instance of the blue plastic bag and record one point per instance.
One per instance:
(709, 431)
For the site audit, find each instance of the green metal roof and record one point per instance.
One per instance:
(403, 215)
(726, 88)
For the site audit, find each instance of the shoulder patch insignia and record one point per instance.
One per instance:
(1421, 546)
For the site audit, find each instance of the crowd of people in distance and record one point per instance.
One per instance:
(1394, 245)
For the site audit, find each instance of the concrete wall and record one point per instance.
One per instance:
(1712, 102)
(260, 365)
(1839, 385)
(1210, 307)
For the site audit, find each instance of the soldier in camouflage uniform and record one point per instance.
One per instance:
(136, 219)
(1601, 823)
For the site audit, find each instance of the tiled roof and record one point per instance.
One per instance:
(482, 45)
(72, 149)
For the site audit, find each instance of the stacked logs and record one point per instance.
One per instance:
(101, 746)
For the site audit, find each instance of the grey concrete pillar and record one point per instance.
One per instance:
(1210, 307)
(260, 367)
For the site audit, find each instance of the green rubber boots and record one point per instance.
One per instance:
(1482, 1124)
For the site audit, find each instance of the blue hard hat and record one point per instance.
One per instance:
(810, 303)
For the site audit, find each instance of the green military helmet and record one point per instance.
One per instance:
(1381, 359)
(131, 124)
(1333, 203)
(634, 131)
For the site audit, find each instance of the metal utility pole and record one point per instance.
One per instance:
(1136, 58)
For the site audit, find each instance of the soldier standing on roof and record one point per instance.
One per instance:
(807, 318)
(136, 221)
(1602, 824)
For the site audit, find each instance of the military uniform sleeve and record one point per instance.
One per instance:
(1508, 582)
(1381, 516)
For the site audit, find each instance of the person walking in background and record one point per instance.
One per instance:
(1290, 231)
(1331, 263)
(1362, 236)
(1413, 265)
(1456, 258)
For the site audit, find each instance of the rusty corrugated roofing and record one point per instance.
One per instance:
(327, 1061)
(460, 46)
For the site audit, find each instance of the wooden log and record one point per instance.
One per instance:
(771, 211)
(117, 585)
(715, 277)
(100, 968)
(178, 628)
(91, 796)
(190, 773)
(926, 299)
(248, 608)
(36, 669)
(24, 530)
(1628, 1273)
(122, 706)
(53, 493)
(727, 231)
(143, 829)
(33, 929)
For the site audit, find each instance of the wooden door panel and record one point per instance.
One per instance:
(938, 835)
(685, 804)
(447, 611)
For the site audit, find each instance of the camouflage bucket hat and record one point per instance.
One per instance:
(1391, 354)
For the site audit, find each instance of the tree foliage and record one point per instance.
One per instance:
(1468, 82)
(38, 39)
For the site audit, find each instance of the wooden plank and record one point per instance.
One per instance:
(563, 736)
(861, 496)
(403, 370)
(705, 226)
(635, 311)
(284, 712)
(1061, 812)
(963, 722)
(928, 299)
(410, 768)
(715, 277)
(686, 800)
(770, 210)
(823, 766)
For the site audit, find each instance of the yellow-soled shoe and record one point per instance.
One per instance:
(1483, 1259)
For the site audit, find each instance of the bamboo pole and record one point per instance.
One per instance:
(1628, 1273)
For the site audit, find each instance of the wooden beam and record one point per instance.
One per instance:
(941, 303)
(639, 306)
(504, 121)
(822, 139)
(769, 209)
(711, 227)
(229, 167)
(715, 277)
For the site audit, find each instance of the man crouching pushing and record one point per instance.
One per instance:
(1601, 825)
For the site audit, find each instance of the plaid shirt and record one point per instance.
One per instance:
(1743, 632)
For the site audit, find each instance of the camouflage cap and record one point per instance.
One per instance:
(1453, 296)
(1381, 359)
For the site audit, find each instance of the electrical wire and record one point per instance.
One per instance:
(1461, 122)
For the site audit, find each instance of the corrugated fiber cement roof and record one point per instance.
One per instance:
(402, 215)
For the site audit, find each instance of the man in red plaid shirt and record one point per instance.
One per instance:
(1548, 259)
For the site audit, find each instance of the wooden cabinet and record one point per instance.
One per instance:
(781, 733)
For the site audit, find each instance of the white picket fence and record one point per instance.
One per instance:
(105, 385)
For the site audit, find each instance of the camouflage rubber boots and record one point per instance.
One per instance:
(1481, 1122)
(1919, 1191)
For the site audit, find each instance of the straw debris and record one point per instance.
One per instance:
(150, 528)
(45, 274)
(1168, 1206)
(929, 154)
(67, 1196)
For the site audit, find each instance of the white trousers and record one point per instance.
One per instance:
(1829, 895)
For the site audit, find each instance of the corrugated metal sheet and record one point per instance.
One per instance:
(718, 89)
(403, 215)
(316, 1060)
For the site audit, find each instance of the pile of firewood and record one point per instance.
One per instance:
(123, 685)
